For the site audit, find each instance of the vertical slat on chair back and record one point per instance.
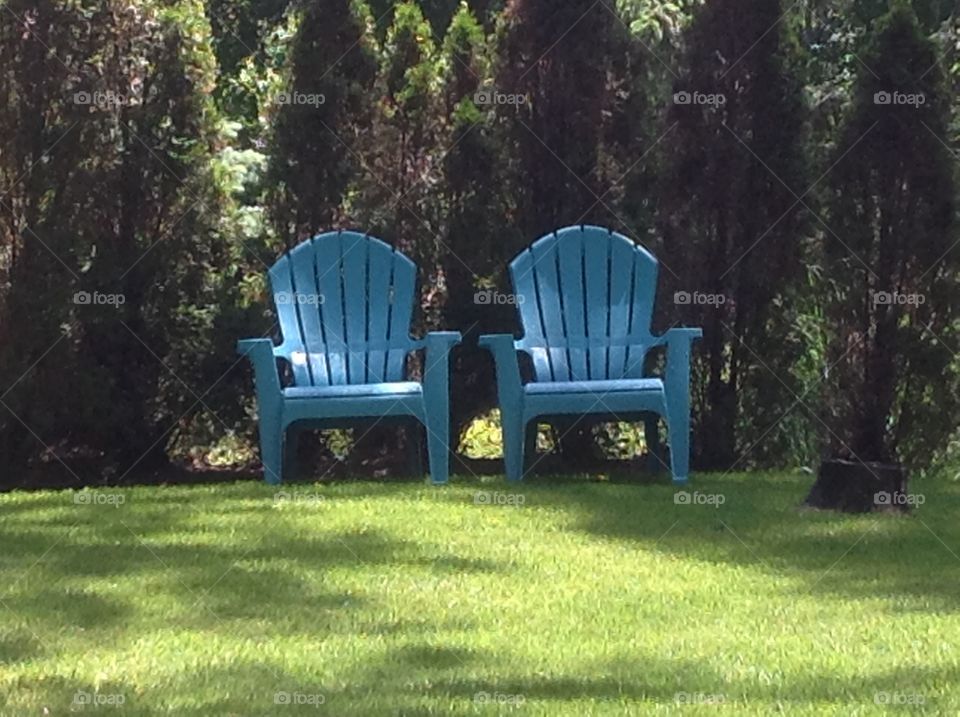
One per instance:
(578, 291)
(381, 260)
(344, 301)
(326, 258)
(644, 280)
(537, 301)
(401, 291)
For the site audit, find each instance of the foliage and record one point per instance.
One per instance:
(324, 108)
(731, 217)
(460, 132)
(244, 41)
(659, 20)
(476, 240)
(439, 13)
(890, 289)
(482, 438)
(109, 197)
(621, 440)
(391, 196)
(560, 165)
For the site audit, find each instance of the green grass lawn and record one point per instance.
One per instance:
(398, 598)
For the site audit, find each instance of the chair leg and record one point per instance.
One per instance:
(291, 443)
(678, 429)
(271, 451)
(414, 448)
(438, 447)
(530, 445)
(651, 436)
(513, 444)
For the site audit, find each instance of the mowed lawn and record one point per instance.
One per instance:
(556, 597)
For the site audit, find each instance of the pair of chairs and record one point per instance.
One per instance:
(345, 301)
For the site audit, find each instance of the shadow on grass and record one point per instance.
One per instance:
(257, 563)
(913, 559)
(410, 680)
(404, 680)
(223, 579)
(679, 682)
(761, 524)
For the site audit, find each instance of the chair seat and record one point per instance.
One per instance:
(362, 390)
(599, 388)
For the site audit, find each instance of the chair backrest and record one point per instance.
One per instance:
(585, 296)
(344, 301)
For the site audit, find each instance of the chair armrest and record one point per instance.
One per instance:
(436, 360)
(436, 398)
(260, 353)
(442, 340)
(679, 342)
(504, 350)
(677, 336)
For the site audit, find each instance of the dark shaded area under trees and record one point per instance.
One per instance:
(152, 153)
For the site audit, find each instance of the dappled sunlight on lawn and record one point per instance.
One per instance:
(581, 597)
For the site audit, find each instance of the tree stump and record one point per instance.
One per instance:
(855, 487)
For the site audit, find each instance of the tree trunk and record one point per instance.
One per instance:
(857, 487)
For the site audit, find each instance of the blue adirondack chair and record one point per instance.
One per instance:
(585, 296)
(344, 302)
